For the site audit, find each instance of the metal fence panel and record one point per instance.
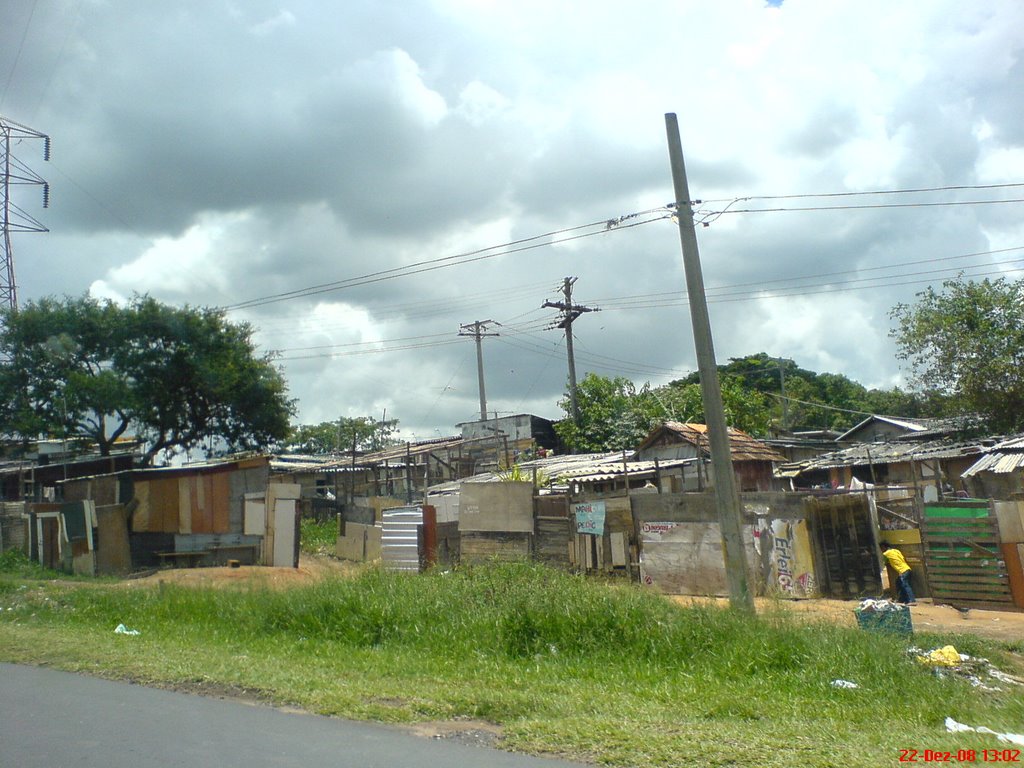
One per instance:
(400, 538)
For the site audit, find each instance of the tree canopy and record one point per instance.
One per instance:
(965, 344)
(365, 432)
(172, 377)
(615, 415)
(817, 400)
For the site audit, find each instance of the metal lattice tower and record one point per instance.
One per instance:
(15, 219)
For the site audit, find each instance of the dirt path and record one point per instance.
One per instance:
(1007, 626)
(311, 568)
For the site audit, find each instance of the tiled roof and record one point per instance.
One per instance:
(742, 447)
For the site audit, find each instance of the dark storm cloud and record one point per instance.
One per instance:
(214, 153)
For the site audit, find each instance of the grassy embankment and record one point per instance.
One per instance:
(613, 675)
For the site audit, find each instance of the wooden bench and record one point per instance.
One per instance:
(188, 559)
(225, 552)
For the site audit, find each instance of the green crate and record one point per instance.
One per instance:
(896, 620)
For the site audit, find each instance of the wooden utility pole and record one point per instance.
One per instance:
(476, 330)
(570, 312)
(782, 388)
(727, 500)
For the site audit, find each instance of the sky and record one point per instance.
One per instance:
(359, 180)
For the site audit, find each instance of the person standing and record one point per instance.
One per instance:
(895, 559)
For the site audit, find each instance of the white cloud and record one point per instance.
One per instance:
(308, 144)
(175, 266)
(284, 18)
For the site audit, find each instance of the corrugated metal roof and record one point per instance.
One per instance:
(887, 453)
(997, 463)
(413, 449)
(579, 468)
(1001, 459)
(1011, 444)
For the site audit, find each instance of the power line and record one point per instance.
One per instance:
(722, 294)
(468, 257)
(823, 406)
(411, 310)
(402, 348)
(751, 295)
(709, 217)
(17, 56)
(594, 359)
(866, 193)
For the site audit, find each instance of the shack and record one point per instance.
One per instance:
(752, 460)
(189, 515)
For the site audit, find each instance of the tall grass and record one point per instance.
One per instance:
(543, 651)
(317, 537)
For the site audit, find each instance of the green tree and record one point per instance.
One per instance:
(333, 436)
(613, 415)
(745, 408)
(173, 377)
(966, 343)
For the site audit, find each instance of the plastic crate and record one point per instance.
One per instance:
(896, 620)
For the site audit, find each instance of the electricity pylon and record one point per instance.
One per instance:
(16, 219)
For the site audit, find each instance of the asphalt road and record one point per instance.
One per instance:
(53, 719)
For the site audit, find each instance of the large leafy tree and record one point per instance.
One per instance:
(612, 414)
(745, 408)
(819, 400)
(366, 433)
(966, 343)
(615, 414)
(173, 377)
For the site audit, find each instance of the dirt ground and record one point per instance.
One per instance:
(311, 568)
(1007, 626)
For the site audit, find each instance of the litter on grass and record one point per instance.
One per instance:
(121, 629)
(844, 684)
(952, 726)
(947, 660)
(946, 656)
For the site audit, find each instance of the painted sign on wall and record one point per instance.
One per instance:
(789, 548)
(589, 517)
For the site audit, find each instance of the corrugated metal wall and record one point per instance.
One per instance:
(400, 539)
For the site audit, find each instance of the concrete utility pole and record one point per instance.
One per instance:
(476, 330)
(727, 500)
(570, 312)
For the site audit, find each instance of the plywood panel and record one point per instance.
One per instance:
(218, 498)
(113, 553)
(1010, 515)
(284, 533)
(619, 549)
(186, 490)
(684, 558)
(255, 515)
(496, 507)
(141, 518)
(163, 503)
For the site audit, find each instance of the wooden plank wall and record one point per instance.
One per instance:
(552, 534)
(479, 546)
(845, 545)
(963, 555)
